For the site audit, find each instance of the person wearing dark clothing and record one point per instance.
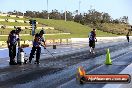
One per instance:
(37, 43)
(11, 43)
(92, 40)
(127, 36)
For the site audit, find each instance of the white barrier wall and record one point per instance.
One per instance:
(2, 19)
(13, 16)
(20, 16)
(3, 14)
(29, 27)
(10, 27)
(49, 28)
(20, 21)
(59, 34)
(23, 27)
(39, 27)
(11, 20)
(26, 21)
(1, 26)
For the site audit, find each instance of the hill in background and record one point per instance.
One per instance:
(69, 29)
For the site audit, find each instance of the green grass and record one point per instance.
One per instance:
(76, 29)
(27, 31)
(14, 23)
(7, 31)
(115, 28)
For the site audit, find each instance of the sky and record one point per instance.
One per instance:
(116, 8)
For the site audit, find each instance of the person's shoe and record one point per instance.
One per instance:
(90, 51)
(30, 61)
(12, 63)
(25, 61)
(93, 52)
(36, 62)
(15, 63)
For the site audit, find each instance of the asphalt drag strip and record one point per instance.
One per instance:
(119, 63)
(65, 76)
(26, 75)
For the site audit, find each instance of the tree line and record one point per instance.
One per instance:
(93, 18)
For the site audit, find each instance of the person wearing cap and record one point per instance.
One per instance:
(92, 40)
(37, 43)
(12, 41)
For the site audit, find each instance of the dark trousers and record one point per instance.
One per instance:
(38, 51)
(12, 52)
(92, 44)
(127, 38)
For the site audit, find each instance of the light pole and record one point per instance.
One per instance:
(66, 12)
(65, 15)
(23, 14)
(47, 9)
(79, 6)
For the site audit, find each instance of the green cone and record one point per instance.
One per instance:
(108, 58)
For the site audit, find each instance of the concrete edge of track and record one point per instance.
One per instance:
(68, 71)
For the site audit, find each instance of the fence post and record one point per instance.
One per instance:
(67, 41)
(53, 41)
(60, 41)
(54, 45)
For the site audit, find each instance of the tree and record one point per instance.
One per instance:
(78, 18)
(55, 15)
(68, 16)
(29, 14)
(106, 18)
(44, 14)
(125, 19)
(116, 21)
(92, 17)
